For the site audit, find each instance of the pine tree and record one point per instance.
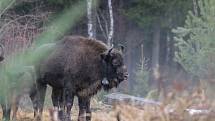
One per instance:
(196, 41)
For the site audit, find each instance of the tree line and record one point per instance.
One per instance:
(165, 40)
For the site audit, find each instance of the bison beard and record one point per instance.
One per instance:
(76, 67)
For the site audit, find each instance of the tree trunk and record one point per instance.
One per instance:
(91, 15)
(132, 37)
(111, 27)
(167, 59)
(155, 55)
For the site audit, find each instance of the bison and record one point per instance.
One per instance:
(76, 67)
(22, 78)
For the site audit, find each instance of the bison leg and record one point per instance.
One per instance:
(55, 97)
(39, 101)
(84, 109)
(88, 111)
(15, 107)
(34, 100)
(69, 104)
(42, 93)
(57, 102)
(6, 112)
(63, 99)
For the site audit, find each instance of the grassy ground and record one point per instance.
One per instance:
(131, 113)
(173, 108)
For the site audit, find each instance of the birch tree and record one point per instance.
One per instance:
(111, 29)
(106, 23)
(91, 15)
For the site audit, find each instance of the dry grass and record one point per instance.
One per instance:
(173, 108)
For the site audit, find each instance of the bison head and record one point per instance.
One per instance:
(115, 71)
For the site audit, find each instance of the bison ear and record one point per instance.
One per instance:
(121, 48)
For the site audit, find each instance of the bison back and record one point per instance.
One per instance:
(75, 58)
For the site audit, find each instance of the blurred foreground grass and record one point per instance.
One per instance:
(14, 63)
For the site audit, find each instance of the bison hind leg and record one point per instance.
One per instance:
(38, 99)
(58, 103)
(69, 103)
(84, 109)
(6, 112)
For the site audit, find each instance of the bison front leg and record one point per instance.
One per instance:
(6, 112)
(34, 99)
(15, 107)
(38, 101)
(69, 104)
(57, 102)
(84, 109)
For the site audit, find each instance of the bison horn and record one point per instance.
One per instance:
(106, 53)
(109, 51)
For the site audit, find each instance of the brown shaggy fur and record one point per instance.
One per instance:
(76, 56)
(79, 65)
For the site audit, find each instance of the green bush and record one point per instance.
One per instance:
(195, 41)
(141, 85)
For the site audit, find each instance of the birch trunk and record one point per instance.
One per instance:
(111, 29)
(142, 57)
(91, 15)
(167, 59)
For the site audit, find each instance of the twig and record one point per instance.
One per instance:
(100, 26)
(9, 5)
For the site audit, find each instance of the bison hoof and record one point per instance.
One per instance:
(38, 118)
(68, 119)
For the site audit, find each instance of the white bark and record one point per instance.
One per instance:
(168, 48)
(142, 57)
(111, 29)
(90, 21)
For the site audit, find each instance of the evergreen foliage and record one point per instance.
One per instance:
(62, 2)
(196, 41)
(164, 12)
(141, 81)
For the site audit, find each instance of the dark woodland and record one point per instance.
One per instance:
(156, 56)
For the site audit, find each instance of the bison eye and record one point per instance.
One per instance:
(115, 62)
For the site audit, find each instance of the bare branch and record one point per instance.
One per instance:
(100, 26)
(7, 7)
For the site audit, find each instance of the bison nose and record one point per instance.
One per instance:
(105, 81)
(124, 68)
(126, 76)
